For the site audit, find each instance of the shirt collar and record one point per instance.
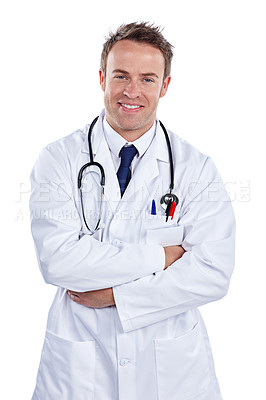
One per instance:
(116, 142)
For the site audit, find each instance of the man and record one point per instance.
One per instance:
(130, 275)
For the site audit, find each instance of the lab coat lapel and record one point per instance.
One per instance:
(103, 156)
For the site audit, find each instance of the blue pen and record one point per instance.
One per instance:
(153, 208)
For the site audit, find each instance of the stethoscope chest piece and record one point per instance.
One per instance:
(167, 199)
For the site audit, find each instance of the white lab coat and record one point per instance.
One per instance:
(153, 345)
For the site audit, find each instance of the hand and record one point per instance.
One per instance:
(172, 254)
(94, 299)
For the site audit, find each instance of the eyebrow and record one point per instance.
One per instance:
(121, 71)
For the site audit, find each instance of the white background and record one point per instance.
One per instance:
(50, 54)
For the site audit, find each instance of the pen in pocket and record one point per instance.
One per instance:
(153, 208)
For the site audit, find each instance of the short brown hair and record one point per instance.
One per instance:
(142, 32)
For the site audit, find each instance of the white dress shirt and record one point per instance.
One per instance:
(116, 142)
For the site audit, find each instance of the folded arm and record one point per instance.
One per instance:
(201, 275)
(65, 259)
(105, 297)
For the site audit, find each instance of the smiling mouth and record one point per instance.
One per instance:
(131, 106)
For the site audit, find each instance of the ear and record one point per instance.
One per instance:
(102, 79)
(165, 86)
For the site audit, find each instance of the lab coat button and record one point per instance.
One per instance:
(124, 362)
(116, 242)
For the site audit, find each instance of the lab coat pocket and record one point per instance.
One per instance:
(66, 370)
(182, 366)
(165, 236)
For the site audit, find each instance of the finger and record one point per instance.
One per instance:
(73, 292)
(73, 296)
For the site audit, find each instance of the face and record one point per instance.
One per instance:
(132, 87)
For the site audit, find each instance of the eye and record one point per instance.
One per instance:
(120, 77)
(148, 80)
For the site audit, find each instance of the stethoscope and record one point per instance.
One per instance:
(168, 201)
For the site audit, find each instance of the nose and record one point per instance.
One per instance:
(132, 90)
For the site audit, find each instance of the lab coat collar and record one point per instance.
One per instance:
(97, 135)
(159, 145)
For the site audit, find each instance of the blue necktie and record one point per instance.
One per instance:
(124, 174)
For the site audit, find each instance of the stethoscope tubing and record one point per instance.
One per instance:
(171, 161)
(165, 198)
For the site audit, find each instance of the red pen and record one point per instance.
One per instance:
(172, 210)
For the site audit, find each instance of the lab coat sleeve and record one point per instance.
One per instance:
(202, 275)
(65, 259)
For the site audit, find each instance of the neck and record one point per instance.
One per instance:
(130, 135)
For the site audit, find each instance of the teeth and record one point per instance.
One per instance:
(129, 106)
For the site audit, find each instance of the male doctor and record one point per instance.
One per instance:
(124, 324)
